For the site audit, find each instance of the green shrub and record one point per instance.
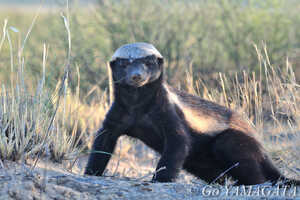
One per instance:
(211, 36)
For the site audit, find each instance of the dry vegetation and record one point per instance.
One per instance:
(56, 118)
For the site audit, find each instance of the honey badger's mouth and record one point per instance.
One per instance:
(139, 83)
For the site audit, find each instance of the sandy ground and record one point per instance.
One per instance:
(128, 176)
(52, 181)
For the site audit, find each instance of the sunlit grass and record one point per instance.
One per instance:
(32, 124)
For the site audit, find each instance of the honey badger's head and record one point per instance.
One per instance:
(136, 64)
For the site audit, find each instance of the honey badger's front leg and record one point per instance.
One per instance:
(103, 146)
(176, 148)
(105, 141)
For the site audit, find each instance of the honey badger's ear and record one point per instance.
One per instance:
(112, 63)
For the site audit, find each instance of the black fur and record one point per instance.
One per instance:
(144, 109)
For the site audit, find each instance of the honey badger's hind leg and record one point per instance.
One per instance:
(231, 147)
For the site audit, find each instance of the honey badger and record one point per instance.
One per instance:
(190, 133)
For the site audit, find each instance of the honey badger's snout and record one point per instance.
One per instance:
(137, 75)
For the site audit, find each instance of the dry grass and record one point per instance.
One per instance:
(59, 124)
(33, 124)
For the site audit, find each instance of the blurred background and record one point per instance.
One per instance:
(244, 54)
(208, 36)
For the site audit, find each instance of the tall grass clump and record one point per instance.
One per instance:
(34, 120)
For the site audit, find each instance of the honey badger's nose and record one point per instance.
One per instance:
(136, 77)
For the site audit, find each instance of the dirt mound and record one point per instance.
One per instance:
(18, 181)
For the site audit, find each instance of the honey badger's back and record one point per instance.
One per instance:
(206, 117)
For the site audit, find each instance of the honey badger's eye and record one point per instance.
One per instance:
(122, 63)
(151, 62)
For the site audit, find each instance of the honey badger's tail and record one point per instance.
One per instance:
(273, 174)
